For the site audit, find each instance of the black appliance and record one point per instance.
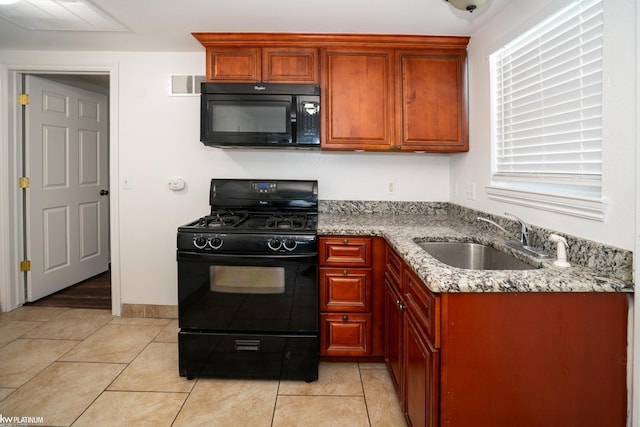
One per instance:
(248, 283)
(260, 115)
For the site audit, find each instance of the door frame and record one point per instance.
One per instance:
(12, 283)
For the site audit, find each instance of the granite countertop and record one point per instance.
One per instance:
(402, 231)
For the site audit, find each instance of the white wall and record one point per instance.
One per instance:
(619, 123)
(156, 136)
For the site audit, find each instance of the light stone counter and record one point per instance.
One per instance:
(452, 223)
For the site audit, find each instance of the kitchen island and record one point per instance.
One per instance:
(539, 347)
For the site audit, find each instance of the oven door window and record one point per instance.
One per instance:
(246, 280)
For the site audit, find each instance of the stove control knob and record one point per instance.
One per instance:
(290, 244)
(274, 244)
(200, 242)
(215, 243)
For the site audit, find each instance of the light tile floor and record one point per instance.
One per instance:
(78, 367)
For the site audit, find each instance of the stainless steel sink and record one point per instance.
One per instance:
(473, 256)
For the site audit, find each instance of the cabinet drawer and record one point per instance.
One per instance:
(345, 289)
(345, 251)
(423, 305)
(345, 334)
(392, 266)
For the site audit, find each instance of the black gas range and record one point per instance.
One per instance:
(256, 216)
(248, 282)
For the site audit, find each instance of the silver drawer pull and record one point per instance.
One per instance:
(247, 345)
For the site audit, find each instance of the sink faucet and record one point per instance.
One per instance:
(491, 222)
(521, 243)
(524, 229)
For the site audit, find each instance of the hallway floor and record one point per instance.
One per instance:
(94, 292)
(84, 367)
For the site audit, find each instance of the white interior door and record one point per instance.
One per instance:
(67, 201)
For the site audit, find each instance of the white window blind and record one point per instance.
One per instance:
(547, 103)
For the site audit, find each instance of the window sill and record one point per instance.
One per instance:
(582, 207)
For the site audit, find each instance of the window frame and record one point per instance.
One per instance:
(577, 195)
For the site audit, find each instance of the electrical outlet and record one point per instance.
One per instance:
(471, 191)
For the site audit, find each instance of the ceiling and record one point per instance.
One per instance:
(166, 25)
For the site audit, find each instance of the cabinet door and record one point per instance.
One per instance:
(345, 334)
(420, 377)
(534, 359)
(290, 65)
(431, 105)
(358, 99)
(424, 305)
(393, 336)
(233, 64)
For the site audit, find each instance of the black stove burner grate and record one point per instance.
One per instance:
(287, 222)
(230, 220)
(222, 219)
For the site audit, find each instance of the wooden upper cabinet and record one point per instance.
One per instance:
(357, 99)
(378, 92)
(233, 64)
(395, 99)
(290, 65)
(255, 64)
(431, 102)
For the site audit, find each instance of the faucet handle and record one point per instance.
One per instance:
(525, 226)
(524, 229)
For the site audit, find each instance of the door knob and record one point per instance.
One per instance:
(104, 192)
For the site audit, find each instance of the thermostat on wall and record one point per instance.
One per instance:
(176, 183)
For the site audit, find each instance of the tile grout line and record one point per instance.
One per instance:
(195, 383)
(364, 395)
(37, 339)
(275, 403)
(107, 386)
(127, 364)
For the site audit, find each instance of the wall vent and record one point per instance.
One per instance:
(182, 85)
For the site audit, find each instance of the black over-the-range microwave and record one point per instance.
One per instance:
(260, 115)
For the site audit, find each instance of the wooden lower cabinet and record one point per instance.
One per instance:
(506, 359)
(351, 297)
(534, 359)
(421, 375)
(345, 334)
(394, 337)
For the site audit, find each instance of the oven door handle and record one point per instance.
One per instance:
(182, 255)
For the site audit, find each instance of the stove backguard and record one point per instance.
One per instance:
(264, 195)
